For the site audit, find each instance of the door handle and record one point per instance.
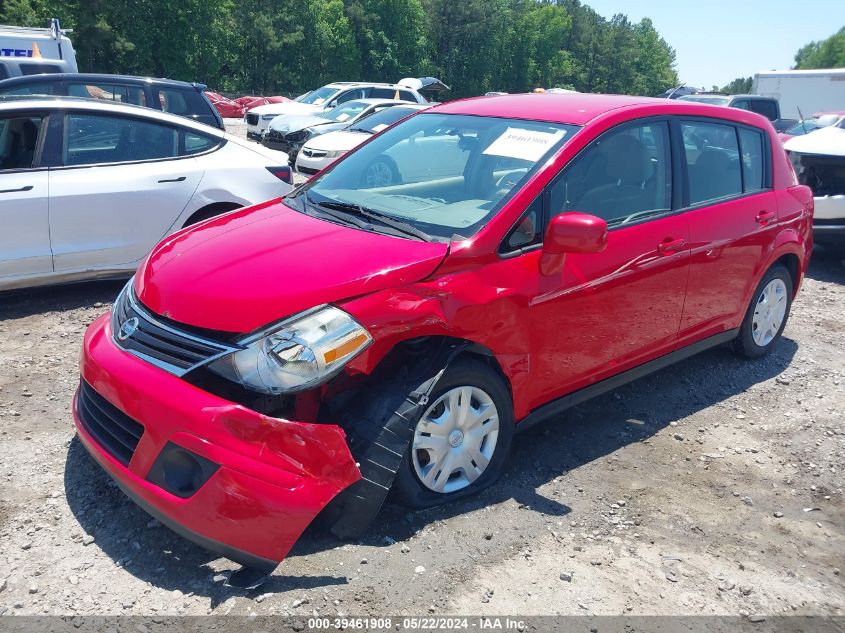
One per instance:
(764, 217)
(179, 179)
(669, 245)
(26, 188)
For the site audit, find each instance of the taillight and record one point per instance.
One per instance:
(282, 173)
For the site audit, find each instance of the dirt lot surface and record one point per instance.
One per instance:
(712, 487)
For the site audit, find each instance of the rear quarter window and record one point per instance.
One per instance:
(38, 69)
(182, 102)
(765, 107)
(196, 143)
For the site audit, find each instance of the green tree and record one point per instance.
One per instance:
(829, 53)
(740, 85)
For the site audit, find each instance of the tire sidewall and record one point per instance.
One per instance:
(749, 347)
(408, 489)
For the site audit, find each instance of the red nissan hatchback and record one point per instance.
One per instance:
(388, 326)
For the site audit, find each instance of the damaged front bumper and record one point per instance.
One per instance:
(236, 482)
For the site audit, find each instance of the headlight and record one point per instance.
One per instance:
(335, 153)
(297, 354)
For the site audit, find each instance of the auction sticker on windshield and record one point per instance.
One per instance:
(523, 144)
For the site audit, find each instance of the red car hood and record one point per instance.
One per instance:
(246, 269)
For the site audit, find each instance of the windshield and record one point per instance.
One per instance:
(808, 125)
(319, 96)
(706, 99)
(345, 112)
(444, 175)
(382, 119)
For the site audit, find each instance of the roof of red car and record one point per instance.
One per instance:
(575, 108)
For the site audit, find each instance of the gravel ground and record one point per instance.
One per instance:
(714, 487)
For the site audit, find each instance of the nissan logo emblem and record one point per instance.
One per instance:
(127, 329)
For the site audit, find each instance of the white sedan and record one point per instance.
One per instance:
(321, 151)
(88, 188)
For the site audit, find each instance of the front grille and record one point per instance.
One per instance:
(139, 332)
(314, 153)
(252, 119)
(307, 170)
(115, 431)
(274, 135)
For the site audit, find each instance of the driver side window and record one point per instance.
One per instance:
(623, 175)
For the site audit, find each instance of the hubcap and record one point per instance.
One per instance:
(379, 175)
(455, 439)
(769, 312)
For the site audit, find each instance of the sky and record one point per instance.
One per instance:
(719, 40)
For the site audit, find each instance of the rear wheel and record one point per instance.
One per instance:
(767, 315)
(462, 439)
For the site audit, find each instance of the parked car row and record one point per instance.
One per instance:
(288, 133)
(325, 98)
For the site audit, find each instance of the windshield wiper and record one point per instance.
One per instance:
(344, 218)
(387, 220)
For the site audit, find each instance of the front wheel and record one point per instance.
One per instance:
(462, 439)
(382, 172)
(767, 315)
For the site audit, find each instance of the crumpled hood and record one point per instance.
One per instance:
(339, 140)
(288, 107)
(294, 122)
(249, 268)
(828, 141)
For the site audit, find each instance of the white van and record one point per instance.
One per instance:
(32, 51)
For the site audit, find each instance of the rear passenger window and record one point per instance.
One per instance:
(623, 176)
(95, 139)
(713, 165)
(751, 143)
(30, 89)
(765, 107)
(39, 69)
(108, 92)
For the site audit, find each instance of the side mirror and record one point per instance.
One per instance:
(571, 232)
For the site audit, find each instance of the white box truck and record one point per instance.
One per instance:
(803, 91)
(31, 51)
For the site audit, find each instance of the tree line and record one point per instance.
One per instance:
(290, 46)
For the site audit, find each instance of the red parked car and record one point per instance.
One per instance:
(516, 255)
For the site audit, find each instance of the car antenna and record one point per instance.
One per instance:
(803, 125)
(676, 90)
